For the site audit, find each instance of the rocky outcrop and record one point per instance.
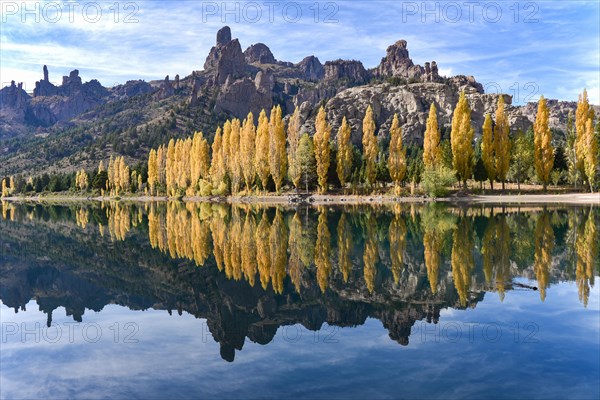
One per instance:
(410, 102)
(468, 84)
(44, 87)
(14, 96)
(242, 96)
(311, 68)
(350, 70)
(259, 53)
(166, 90)
(132, 88)
(397, 63)
(225, 58)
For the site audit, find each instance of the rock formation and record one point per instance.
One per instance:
(225, 58)
(353, 71)
(311, 68)
(259, 53)
(397, 63)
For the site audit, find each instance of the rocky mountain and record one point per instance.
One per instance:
(45, 130)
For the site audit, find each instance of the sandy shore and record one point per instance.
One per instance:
(572, 198)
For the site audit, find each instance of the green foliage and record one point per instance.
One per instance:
(436, 181)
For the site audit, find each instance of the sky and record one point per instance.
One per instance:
(522, 48)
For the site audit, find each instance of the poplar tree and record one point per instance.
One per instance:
(152, 171)
(582, 114)
(322, 149)
(431, 141)
(262, 149)
(293, 140)
(170, 168)
(217, 167)
(461, 139)
(397, 156)
(488, 150)
(344, 153)
(277, 150)
(501, 142)
(369, 141)
(543, 151)
(590, 161)
(234, 167)
(248, 150)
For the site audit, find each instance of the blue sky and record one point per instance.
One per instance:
(522, 48)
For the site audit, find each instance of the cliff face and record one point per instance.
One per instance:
(234, 83)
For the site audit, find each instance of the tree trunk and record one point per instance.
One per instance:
(545, 187)
(491, 184)
(465, 184)
(503, 186)
(519, 185)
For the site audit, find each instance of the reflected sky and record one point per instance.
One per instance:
(156, 323)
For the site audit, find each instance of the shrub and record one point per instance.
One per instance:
(436, 181)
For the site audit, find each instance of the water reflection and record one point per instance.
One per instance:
(250, 269)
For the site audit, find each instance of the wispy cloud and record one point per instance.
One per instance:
(551, 43)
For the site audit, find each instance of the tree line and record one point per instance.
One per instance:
(246, 158)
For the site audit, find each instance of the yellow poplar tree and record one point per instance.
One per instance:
(369, 141)
(170, 168)
(262, 149)
(488, 150)
(431, 141)
(322, 149)
(590, 161)
(161, 165)
(217, 167)
(152, 171)
(583, 113)
(397, 157)
(293, 139)
(502, 142)
(225, 149)
(277, 150)
(461, 139)
(235, 169)
(248, 150)
(543, 151)
(344, 153)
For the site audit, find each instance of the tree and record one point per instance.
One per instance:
(543, 151)
(82, 180)
(590, 161)
(544, 244)
(344, 242)
(248, 150)
(152, 171)
(369, 142)
(501, 142)
(170, 170)
(344, 153)
(573, 172)
(522, 158)
(293, 140)
(234, 166)
(199, 160)
(582, 114)
(461, 139)
(217, 166)
(488, 150)
(262, 149)
(5, 188)
(305, 157)
(277, 150)
(322, 149)
(431, 140)
(397, 156)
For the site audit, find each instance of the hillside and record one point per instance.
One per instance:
(77, 124)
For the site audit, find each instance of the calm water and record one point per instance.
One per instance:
(199, 300)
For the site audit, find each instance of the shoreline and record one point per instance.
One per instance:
(334, 199)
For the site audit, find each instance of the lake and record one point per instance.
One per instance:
(181, 300)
